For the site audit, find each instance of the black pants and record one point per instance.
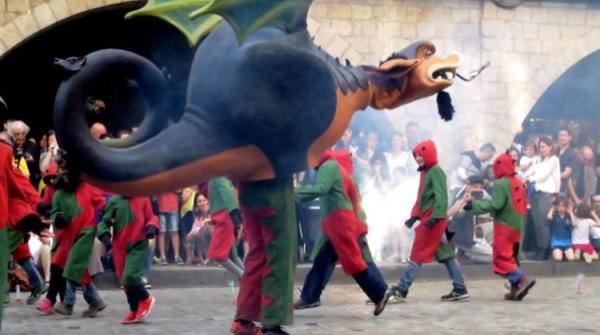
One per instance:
(58, 284)
(135, 294)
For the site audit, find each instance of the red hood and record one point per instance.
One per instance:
(428, 151)
(504, 166)
(342, 156)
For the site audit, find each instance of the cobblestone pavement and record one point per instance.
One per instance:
(553, 307)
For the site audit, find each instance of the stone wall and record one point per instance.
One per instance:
(528, 48)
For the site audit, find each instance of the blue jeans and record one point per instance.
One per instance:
(458, 281)
(90, 294)
(35, 279)
(148, 263)
(370, 280)
(169, 222)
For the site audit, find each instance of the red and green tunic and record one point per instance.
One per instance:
(222, 202)
(432, 202)
(73, 249)
(340, 209)
(508, 206)
(128, 218)
(9, 190)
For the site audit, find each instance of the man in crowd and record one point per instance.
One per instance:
(471, 163)
(583, 183)
(464, 224)
(568, 160)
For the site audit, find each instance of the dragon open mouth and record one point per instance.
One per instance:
(448, 74)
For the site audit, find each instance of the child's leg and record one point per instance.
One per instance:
(557, 255)
(458, 281)
(409, 275)
(70, 290)
(594, 255)
(569, 255)
(56, 284)
(135, 294)
(577, 254)
(90, 294)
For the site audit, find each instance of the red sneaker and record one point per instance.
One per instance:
(45, 307)
(238, 328)
(130, 318)
(145, 308)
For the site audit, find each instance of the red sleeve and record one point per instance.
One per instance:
(98, 200)
(151, 219)
(33, 197)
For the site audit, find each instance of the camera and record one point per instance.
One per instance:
(477, 195)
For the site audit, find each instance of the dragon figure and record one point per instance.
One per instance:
(263, 102)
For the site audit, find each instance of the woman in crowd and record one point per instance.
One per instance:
(546, 182)
(198, 239)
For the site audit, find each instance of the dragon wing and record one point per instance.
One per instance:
(196, 18)
(177, 13)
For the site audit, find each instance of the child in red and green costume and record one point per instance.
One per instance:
(73, 210)
(430, 235)
(10, 190)
(23, 218)
(508, 206)
(132, 223)
(266, 288)
(344, 233)
(225, 215)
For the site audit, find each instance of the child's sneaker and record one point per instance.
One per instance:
(163, 261)
(93, 309)
(274, 331)
(456, 295)
(399, 293)
(130, 318)
(179, 261)
(239, 327)
(145, 308)
(36, 294)
(525, 284)
(63, 309)
(45, 306)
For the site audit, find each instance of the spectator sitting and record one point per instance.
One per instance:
(471, 164)
(561, 222)
(585, 220)
(595, 235)
(198, 239)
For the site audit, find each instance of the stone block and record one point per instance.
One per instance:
(572, 33)
(413, 14)
(366, 28)
(474, 15)
(339, 11)
(506, 14)
(337, 47)
(459, 15)
(549, 32)
(6, 17)
(3, 48)
(324, 36)
(528, 46)
(390, 29)
(530, 30)
(576, 16)
(445, 29)
(318, 11)
(59, 8)
(490, 10)
(342, 27)
(94, 3)
(10, 35)
(361, 44)
(539, 15)
(515, 29)
(26, 24)
(385, 13)
(500, 44)
(523, 14)
(2, 5)
(43, 15)
(313, 25)
(550, 47)
(112, 2)
(76, 6)
(362, 12)
(593, 18)
(426, 30)
(493, 28)
(467, 31)
(17, 6)
(409, 30)
(442, 14)
(35, 3)
(557, 16)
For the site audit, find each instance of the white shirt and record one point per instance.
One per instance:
(546, 175)
(595, 233)
(528, 161)
(581, 231)
(402, 160)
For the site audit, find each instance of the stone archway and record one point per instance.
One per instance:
(20, 19)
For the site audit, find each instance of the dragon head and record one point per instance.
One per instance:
(411, 74)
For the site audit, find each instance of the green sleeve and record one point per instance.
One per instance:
(327, 175)
(220, 192)
(500, 195)
(108, 218)
(440, 193)
(56, 208)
